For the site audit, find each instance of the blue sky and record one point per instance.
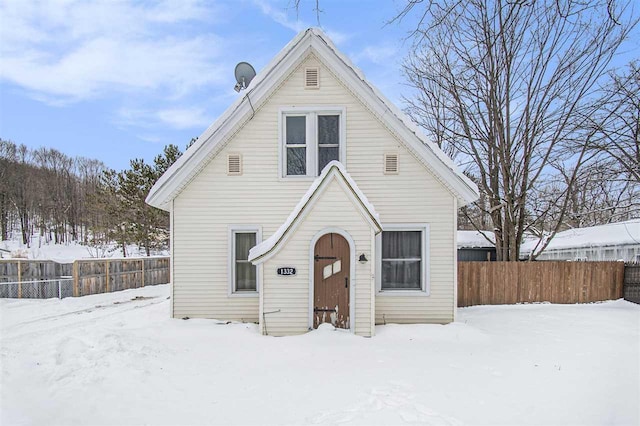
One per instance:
(116, 80)
(119, 79)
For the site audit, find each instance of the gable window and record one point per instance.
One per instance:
(311, 139)
(403, 259)
(243, 274)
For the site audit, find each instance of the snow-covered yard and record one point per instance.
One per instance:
(119, 359)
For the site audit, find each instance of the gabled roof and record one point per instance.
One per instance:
(609, 235)
(240, 112)
(332, 171)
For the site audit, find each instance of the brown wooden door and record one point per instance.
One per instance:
(331, 281)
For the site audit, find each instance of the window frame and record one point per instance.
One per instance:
(425, 285)
(231, 259)
(311, 113)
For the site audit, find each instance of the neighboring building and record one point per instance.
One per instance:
(613, 241)
(476, 246)
(313, 199)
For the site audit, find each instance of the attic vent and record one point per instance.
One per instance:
(311, 78)
(391, 164)
(234, 164)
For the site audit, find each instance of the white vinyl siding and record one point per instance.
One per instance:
(212, 200)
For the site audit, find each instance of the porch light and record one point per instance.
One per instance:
(363, 259)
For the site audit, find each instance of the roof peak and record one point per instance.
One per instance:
(214, 138)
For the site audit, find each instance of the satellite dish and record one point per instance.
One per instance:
(244, 74)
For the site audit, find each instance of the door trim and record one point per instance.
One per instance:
(352, 274)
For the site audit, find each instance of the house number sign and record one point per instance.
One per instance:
(286, 271)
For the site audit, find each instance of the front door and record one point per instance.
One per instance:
(331, 281)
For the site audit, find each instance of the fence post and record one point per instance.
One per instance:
(75, 278)
(59, 289)
(142, 260)
(19, 280)
(106, 263)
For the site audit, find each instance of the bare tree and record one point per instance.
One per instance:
(618, 121)
(505, 85)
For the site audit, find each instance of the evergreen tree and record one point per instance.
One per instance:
(131, 219)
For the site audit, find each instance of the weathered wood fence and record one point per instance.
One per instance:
(33, 278)
(497, 283)
(16, 270)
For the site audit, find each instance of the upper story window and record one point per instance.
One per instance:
(311, 139)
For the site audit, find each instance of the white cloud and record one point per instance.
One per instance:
(289, 19)
(378, 54)
(280, 16)
(185, 118)
(176, 117)
(67, 50)
(338, 37)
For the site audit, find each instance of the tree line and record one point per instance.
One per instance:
(66, 199)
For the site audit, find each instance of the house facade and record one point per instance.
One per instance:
(313, 199)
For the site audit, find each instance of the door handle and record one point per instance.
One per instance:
(346, 282)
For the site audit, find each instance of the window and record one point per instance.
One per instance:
(403, 259)
(312, 139)
(242, 273)
(296, 137)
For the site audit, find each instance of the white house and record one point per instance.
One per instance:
(613, 241)
(313, 199)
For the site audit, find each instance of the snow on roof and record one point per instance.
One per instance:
(213, 139)
(476, 239)
(611, 234)
(258, 253)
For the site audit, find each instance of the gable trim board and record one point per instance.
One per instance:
(267, 81)
(332, 171)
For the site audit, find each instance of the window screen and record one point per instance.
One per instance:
(401, 260)
(245, 272)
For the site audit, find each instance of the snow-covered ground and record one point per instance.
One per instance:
(119, 359)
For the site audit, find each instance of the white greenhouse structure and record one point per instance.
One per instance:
(614, 241)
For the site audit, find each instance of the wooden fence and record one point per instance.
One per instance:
(106, 275)
(89, 276)
(497, 283)
(16, 270)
